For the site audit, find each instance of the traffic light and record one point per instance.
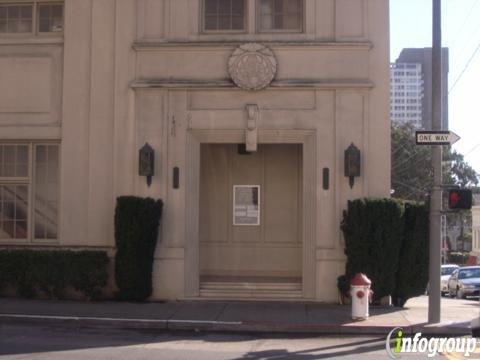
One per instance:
(460, 199)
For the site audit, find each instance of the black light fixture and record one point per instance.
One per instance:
(352, 163)
(146, 162)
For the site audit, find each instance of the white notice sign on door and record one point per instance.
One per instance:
(246, 204)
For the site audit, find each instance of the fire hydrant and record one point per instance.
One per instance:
(361, 296)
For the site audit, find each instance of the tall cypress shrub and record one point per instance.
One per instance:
(412, 275)
(136, 229)
(372, 230)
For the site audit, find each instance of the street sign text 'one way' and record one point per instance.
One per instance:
(423, 137)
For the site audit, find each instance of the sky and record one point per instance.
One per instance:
(411, 26)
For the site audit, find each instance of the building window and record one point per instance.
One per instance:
(50, 17)
(15, 18)
(224, 15)
(33, 17)
(29, 174)
(281, 15)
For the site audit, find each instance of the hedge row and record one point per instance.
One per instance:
(388, 241)
(458, 258)
(412, 275)
(31, 272)
(136, 230)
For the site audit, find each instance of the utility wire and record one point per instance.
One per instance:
(470, 11)
(405, 161)
(408, 150)
(462, 51)
(465, 69)
(408, 160)
(472, 149)
(412, 190)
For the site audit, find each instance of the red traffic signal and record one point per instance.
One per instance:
(460, 199)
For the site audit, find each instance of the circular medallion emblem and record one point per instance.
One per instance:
(252, 66)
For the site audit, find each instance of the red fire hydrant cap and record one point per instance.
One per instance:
(360, 280)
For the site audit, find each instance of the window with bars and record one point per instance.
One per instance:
(36, 17)
(281, 15)
(29, 176)
(224, 15)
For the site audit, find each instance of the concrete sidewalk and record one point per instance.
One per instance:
(243, 316)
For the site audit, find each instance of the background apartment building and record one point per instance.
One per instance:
(406, 94)
(411, 88)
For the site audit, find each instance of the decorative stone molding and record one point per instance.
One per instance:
(322, 84)
(252, 66)
(251, 133)
(152, 45)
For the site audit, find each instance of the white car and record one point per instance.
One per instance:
(447, 270)
(465, 282)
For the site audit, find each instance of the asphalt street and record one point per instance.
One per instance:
(74, 341)
(42, 343)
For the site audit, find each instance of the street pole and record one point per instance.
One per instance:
(462, 236)
(436, 194)
(444, 238)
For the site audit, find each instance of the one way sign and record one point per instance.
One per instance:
(436, 137)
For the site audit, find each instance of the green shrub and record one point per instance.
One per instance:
(412, 275)
(53, 271)
(343, 284)
(458, 258)
(372, 230)
(93, 275)
(388, 241)
(136, 230)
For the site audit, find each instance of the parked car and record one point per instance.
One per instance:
(464, 282)
(447, 270)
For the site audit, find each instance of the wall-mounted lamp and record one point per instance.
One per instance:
(352, 163)
(146, 162)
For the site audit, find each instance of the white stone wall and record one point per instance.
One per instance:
(476, 230)
(118, 87)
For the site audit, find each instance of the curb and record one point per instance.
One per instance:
(110, 323)
(226, 326)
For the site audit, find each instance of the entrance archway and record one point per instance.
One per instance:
(301, 267)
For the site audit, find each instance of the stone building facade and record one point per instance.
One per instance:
(249, 106)
(476, 229)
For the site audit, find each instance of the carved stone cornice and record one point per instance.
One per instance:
(276, 84)
(305, 45)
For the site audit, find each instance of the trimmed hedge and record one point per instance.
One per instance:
(388, 241)
(50, 272)
(412, 275)
(136, 230)
(458, 258)
(373, 235)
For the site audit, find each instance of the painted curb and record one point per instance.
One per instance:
(226, 326)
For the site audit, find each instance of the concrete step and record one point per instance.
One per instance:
(247, 290)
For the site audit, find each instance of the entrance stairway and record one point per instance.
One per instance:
(243, 287)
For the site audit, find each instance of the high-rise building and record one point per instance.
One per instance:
(411, 82)
(406, 93)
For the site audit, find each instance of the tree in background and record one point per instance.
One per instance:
(412, 173)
